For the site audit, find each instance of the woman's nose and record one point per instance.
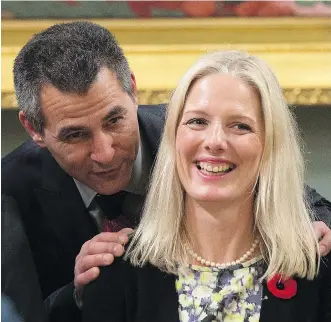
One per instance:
(216, 139)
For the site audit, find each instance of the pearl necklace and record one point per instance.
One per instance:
(224, 265)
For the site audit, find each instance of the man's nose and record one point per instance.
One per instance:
(102, 148)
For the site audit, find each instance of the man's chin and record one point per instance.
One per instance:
(110, 183)
(109, 188)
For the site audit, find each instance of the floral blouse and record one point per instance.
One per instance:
(213, 294)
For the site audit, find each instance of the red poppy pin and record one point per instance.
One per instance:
(283, 288)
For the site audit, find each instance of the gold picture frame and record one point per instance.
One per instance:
(161, 50)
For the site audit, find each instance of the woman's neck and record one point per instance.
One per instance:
(220, 233)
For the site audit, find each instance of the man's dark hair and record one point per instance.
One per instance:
(67, 56)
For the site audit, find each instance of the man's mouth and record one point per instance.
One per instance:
(105, 172)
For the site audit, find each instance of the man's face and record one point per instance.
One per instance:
(94, 137)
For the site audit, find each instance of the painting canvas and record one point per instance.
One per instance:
(162, 9)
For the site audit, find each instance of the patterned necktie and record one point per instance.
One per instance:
(111, 205)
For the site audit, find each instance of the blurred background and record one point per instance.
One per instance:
(163, 38)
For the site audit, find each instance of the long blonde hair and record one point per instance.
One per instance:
(282, 216)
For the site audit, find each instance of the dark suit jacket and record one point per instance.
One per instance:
(56, 220)
(123, 293)
(19, 279)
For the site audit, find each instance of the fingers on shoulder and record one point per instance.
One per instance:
(86, 277)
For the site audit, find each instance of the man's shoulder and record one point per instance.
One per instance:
(21, 169)
(26, 156)
(27, 149)
(158, 110)
(151, 120)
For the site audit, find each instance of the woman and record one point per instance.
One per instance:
(226, 233)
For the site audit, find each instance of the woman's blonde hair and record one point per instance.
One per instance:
(282, 216)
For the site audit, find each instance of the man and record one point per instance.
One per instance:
(77, 99)
(78, 102)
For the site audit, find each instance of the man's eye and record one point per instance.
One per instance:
(115, 120)
(196, 121)
(242, 127)
(75, 136)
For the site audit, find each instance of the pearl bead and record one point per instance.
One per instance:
(224, 265)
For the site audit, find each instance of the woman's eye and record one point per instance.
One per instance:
(196, 121)
(242, 127)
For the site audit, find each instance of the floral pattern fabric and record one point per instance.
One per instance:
(212, 294)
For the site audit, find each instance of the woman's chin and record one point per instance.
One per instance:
(212, 197)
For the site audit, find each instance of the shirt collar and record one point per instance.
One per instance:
(86, 192)
(137, 184)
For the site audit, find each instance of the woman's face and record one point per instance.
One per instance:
(219, 139)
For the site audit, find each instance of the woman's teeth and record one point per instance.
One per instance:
(214, 168)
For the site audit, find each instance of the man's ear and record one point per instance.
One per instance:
(35, 135)
(134, 87)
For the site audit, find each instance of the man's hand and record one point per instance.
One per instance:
(323, 234)
(99, 251)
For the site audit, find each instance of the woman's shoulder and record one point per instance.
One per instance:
(325, 272)
(111, 277)
(105, 296)
(121, 274)
(325, 289)
(325, 267)
(326, 260)
(120, 268)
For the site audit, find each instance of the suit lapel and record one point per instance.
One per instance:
(158, 296)
(62, 206)
(168, 310)
(275, 309)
